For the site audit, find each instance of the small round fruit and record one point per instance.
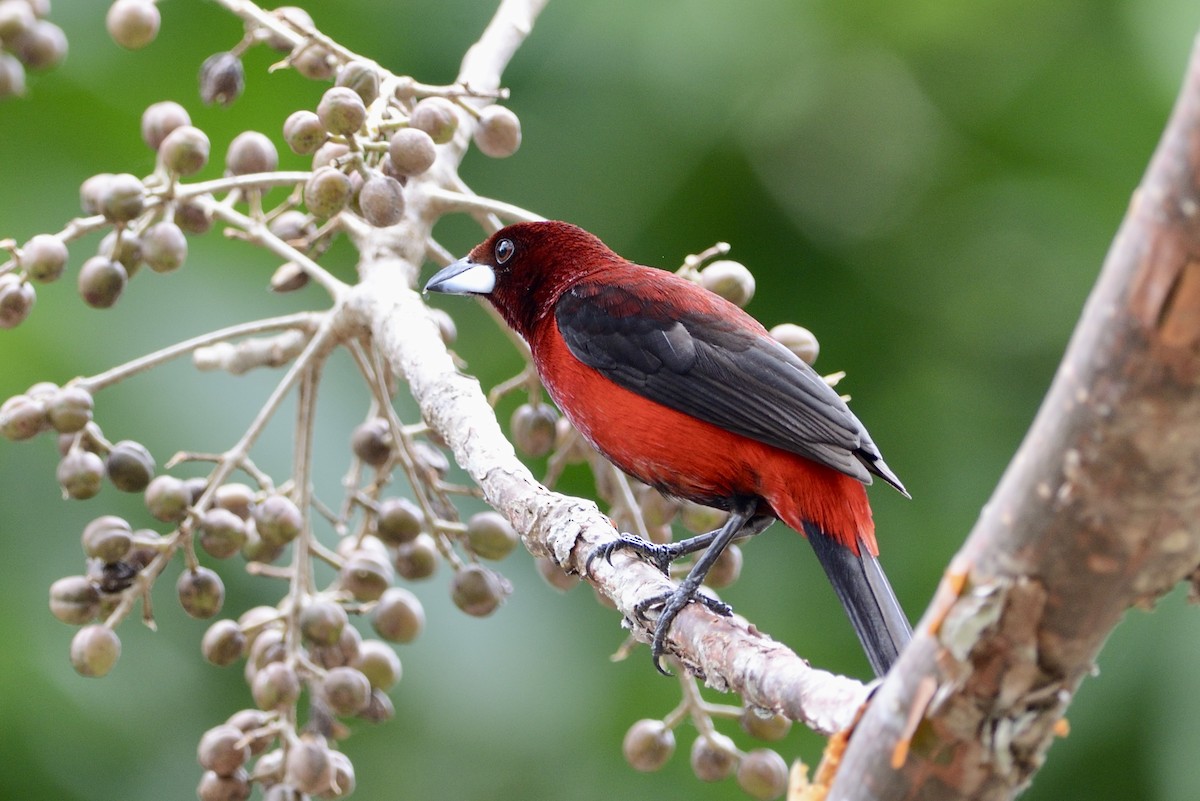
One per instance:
(398, 520)
(12, 76)
(648, 745)
(713, 757)
(498, 132)
(762, 774)
(159, 119)
(74, 600)
(303, 132)
(123, 199)
(294, 18)
(44, 257)
(309, 768)
(80, 474)
(201, 592)
(130, 466)
(213, 787)
(70, 409)
(193, 216)
(477, 590)
(490, 535)
(41, 46)
(237, 498)
(379, 663)
(278, 519)
(412, 151)
(23, 417)
(168, 499)
(381, 200)
(366, 575)
(341, 111)
(362, 78)
(417, 559)
(251, 152)
(322, 621)
(327, 191)
(315, 62)
(185, 150)
(222, 533)
(799, 340)
(223, 643)
(16, 300)
(133, 24)
(222, 79)
(275, 686)
(101, 282)
(164, 247)
(534, 428)
(346, 691)
(94, 650)
(221, 750)
(729, 279)
(372, 442)
(107, 538)
(398, 616)
(437, 117)
(770, 728)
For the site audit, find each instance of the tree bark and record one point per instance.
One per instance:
(1098, 512)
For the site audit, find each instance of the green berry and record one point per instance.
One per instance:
(327, 191)
(372, 442)
(417, 559)
(168, 499)
(490, 535)
(341, 111)
(222, 533)
(201, 592)
(398, 616)
(94, 650)
(398, 520)
(534, 428)
(130, 466)
(379, 663)
(322, 622)
(223, 643)
(101, 282)
(74, 600)
(366, 575)
(346, 691)
(80, 474)
(770, 727)
(107, 538)
(278, 519)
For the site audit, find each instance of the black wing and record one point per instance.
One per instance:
(716, 370)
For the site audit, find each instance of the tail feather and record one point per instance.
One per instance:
(864, 591)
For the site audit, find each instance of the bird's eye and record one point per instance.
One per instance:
(504, 250)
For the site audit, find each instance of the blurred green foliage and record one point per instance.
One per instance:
(928, 185)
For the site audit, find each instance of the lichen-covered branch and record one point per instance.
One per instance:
(1097, 513)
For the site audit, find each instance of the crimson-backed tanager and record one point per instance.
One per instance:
(686, 392)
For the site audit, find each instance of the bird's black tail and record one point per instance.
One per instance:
(867, 597)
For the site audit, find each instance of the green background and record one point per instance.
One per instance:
(929, 186)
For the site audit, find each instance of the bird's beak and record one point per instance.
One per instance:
(463, 278)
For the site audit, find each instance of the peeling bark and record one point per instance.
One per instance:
(1098, 512)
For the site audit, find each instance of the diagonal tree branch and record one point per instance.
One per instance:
(1097, 512)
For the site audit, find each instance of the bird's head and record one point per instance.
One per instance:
(524, 268)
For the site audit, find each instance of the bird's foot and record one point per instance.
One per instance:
(661, 556)
(672, 604)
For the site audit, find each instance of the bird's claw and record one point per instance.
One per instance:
(660, 556)
(672, 604)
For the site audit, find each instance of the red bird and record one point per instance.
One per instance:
(684, 391)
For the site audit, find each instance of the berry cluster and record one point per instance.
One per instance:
(28, 41)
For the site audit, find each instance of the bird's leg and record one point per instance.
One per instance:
(740, 518)
(661, 556)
